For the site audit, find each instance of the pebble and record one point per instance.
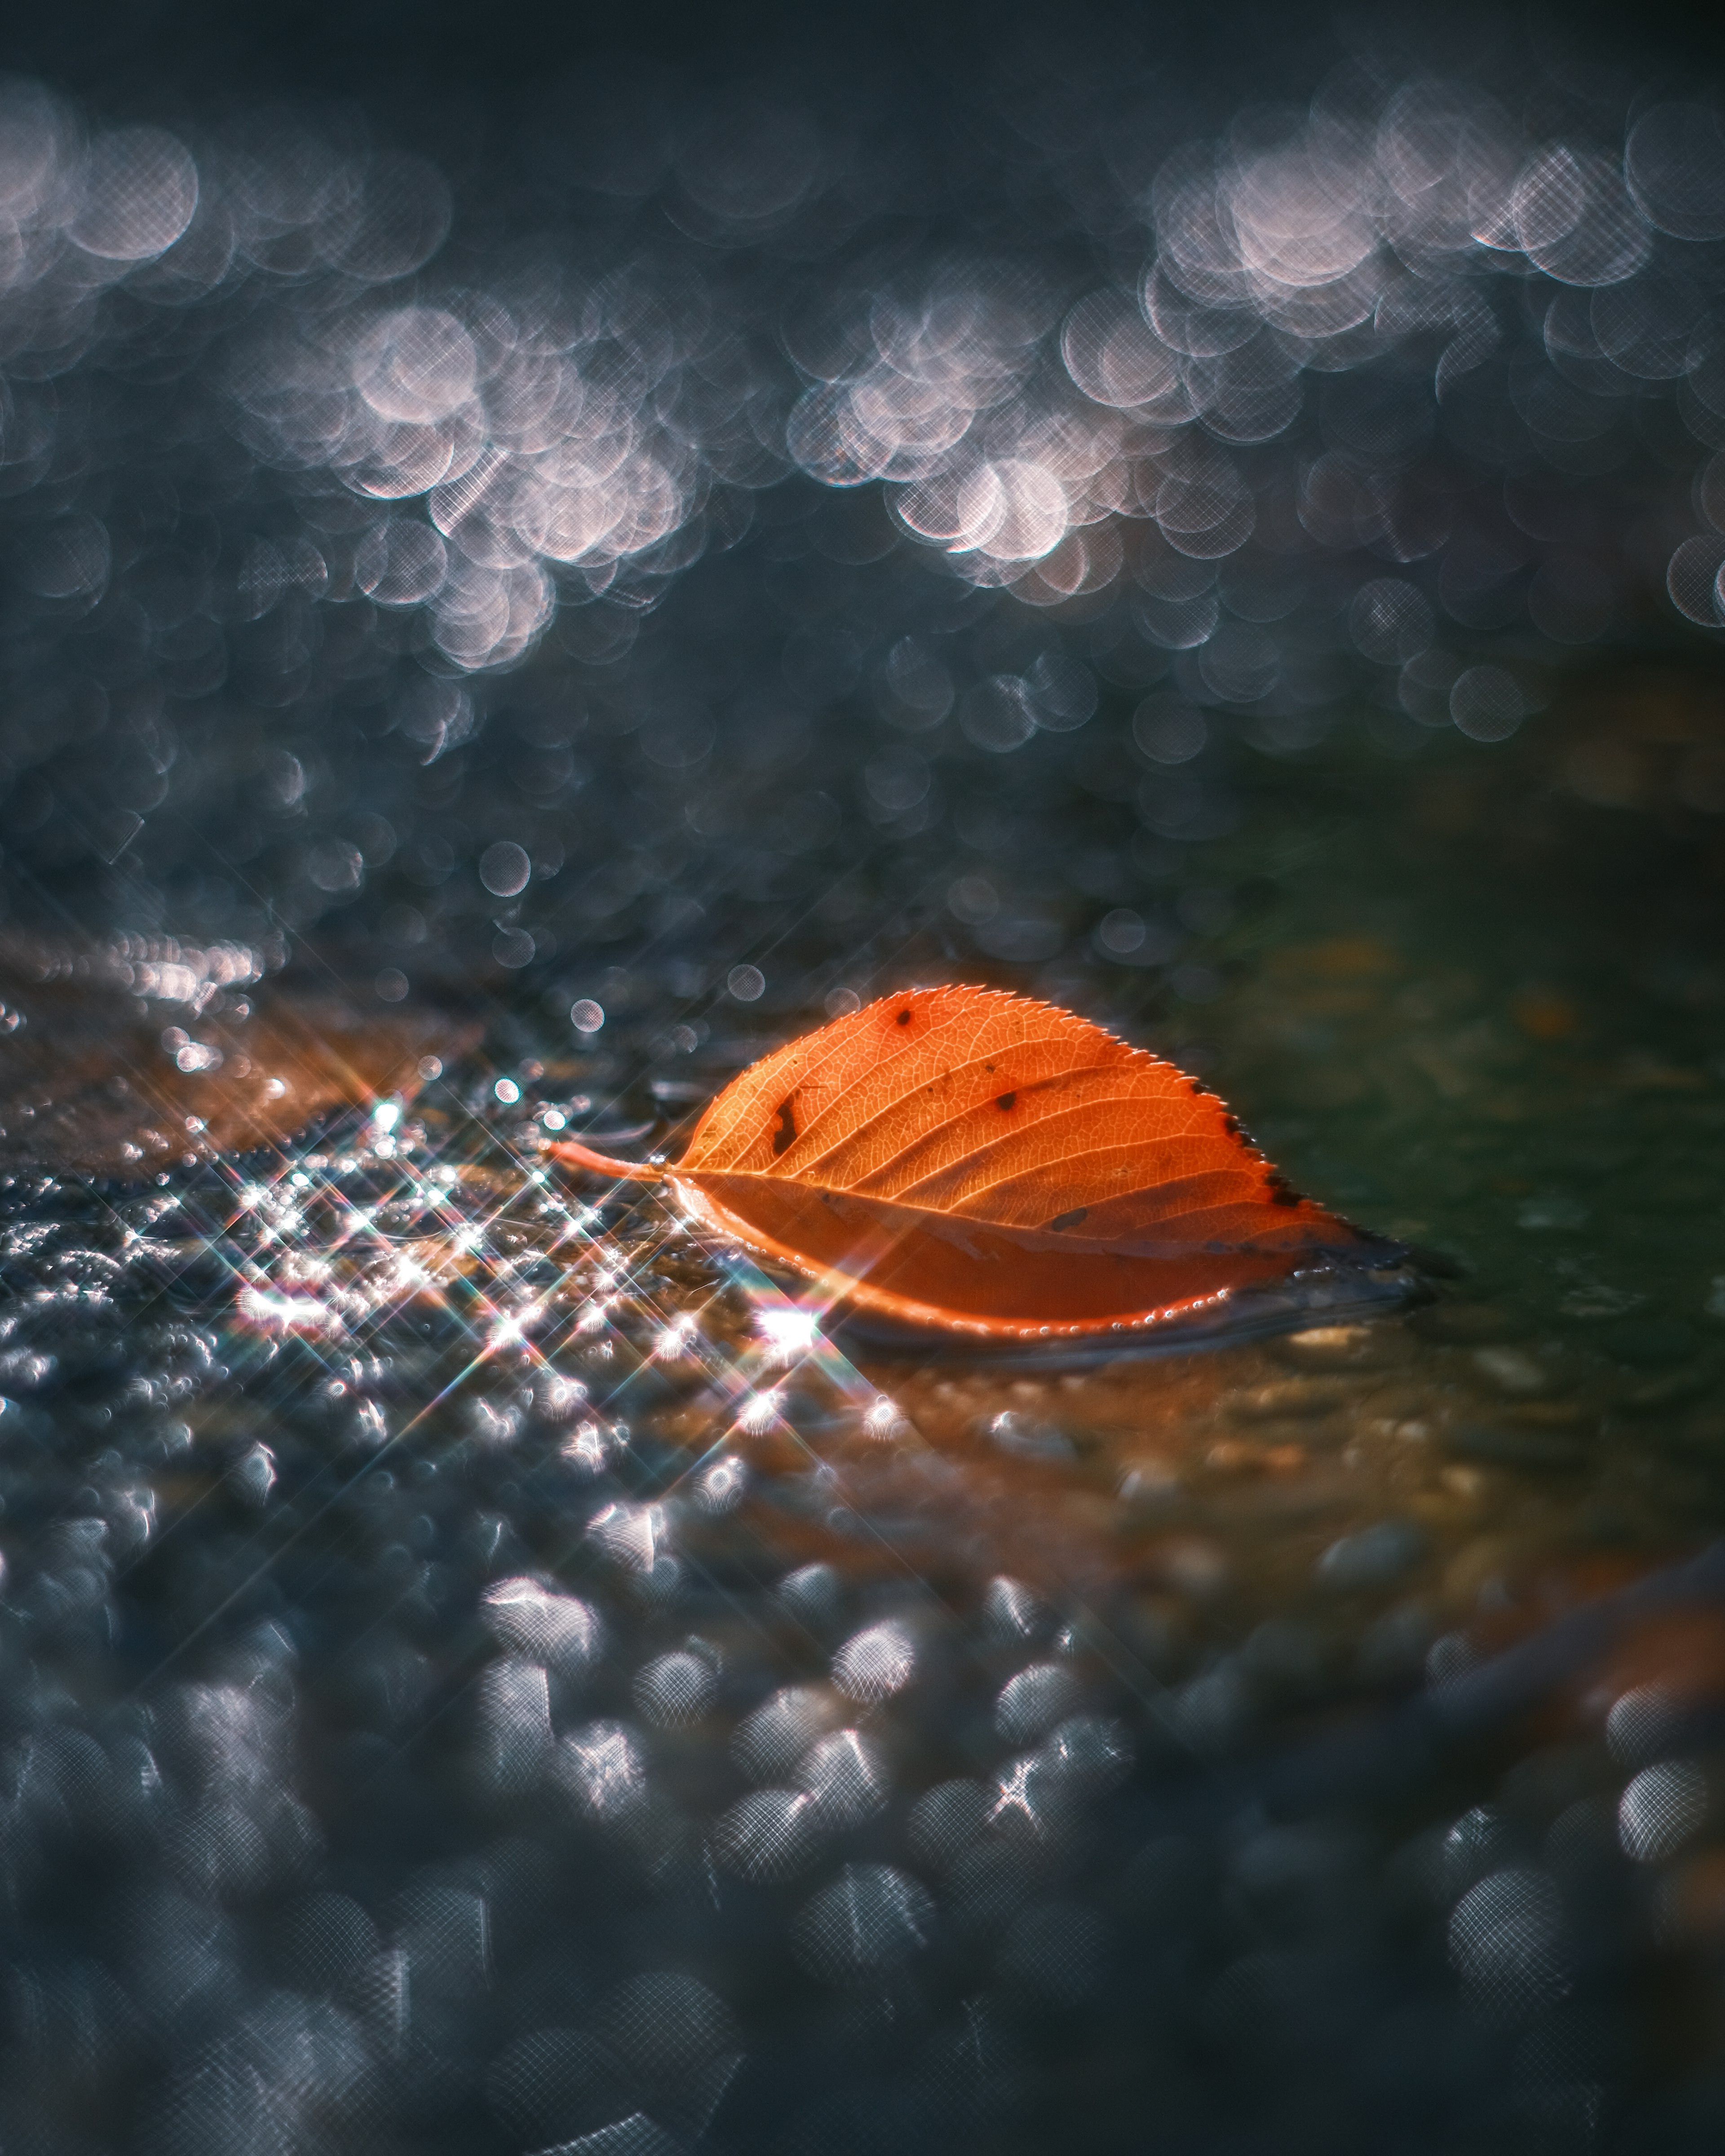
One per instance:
(1581, 1845)
(1642, 1722)
(1461, 1324)
(1664, 1807)
(1150, 1481)
(1692, 1906)
(1649, 1343)
(1495, 1444)
(1676, 1389)
(1291, 1398)
(1393, 1648)
(1026, 1437)
(1233, 1457)
(1332, 1347)
(1507, 1944)
(1511, 1370)
(1373, 1556)
(1192, 1566)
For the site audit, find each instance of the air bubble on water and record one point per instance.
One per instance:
(603, 1767)
(769, 1740)
(515, 1723)
(1662, 1809)
(812, 1592)
(558, 1630)
(588, 1447)
(1642, 1722)
(1089, 1752)
(845, 1777)
(883, 1419)
(875, 1664)
(719, 1487)
(1013, 1612)
(1034, 1701)
(757, 1412)
(675, 1690)
(670, 2032)
(254, 1474)
(631, 1536)
(769, 1835)
(870, 1920)
(557, 1398)
(1507, 1945)
(946, 1821)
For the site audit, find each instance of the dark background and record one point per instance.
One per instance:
(389, 55)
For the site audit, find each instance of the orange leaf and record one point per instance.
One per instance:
(970, 1161)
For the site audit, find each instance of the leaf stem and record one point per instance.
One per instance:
(575, 1155)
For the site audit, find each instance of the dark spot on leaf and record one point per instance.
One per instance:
(1231, 1125)
(784, 1131)
(903, 1017)
(1007, 1100)
(1069, 1219)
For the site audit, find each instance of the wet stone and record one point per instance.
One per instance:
(1464, 1324)
(1580, 1416)
(1283, 1657)
(1395, 1647)
(1700, 1437)
(1503, 1444)
(1027, 1437)
(1292, 1399)
(1336, 1348)
(1372, 1557)
(1650, 1343)
(1512, 1371)
(1675, 1389)
(1154, 1485)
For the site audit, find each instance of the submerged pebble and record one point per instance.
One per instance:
(1375, 1556)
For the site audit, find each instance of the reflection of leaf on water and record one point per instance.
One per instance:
(974, 1161)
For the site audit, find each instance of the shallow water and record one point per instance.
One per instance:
(430, 1660)
(483, 1669)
